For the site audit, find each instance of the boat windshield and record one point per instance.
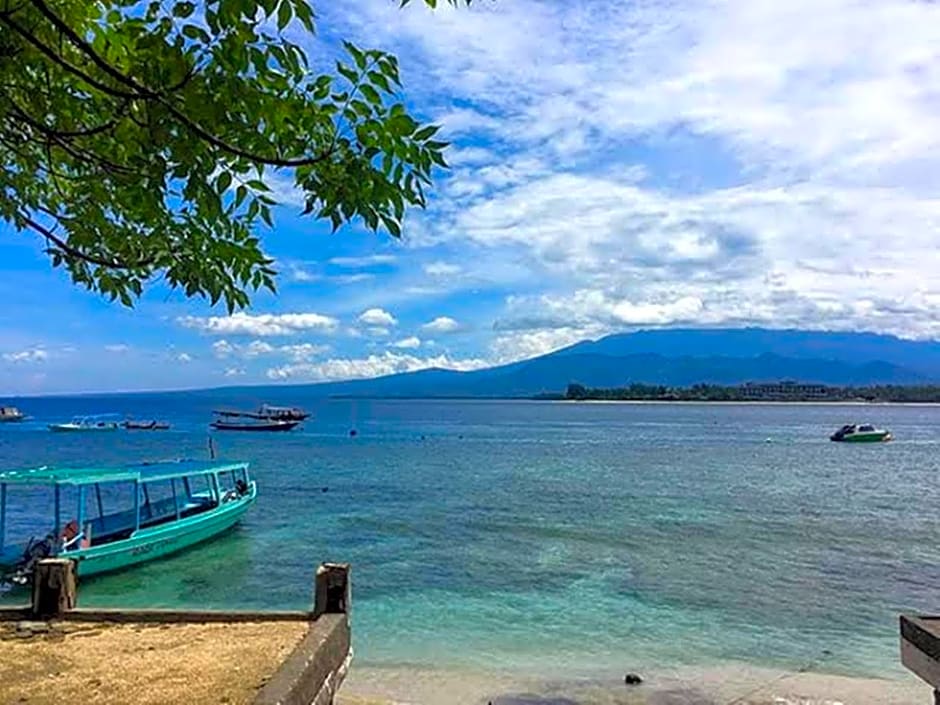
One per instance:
(867, 428)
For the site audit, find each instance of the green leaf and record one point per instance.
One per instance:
(195, 33)
(223, 182)
(379, 80)
(285, 14)
(358, 56)
(426, 132)
(393, 227)
(402, 125)
(347, 73)
(371, 94)
(183, 9)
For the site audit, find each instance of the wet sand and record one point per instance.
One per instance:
(736, 684)
(141, 664)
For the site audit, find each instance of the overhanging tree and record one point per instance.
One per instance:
(138, 139)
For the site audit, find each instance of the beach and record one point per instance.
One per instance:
(738, 684)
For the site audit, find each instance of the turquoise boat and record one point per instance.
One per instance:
(107, 519)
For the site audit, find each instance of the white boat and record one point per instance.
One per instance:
(100, 422)
(864, 433)
(11, 413)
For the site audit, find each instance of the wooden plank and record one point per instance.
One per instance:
(54, 587)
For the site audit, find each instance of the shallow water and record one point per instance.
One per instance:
(557, 539)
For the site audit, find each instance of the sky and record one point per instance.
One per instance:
(615, 165)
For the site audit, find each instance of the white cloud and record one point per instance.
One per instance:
(117, 348)
(303, 351)
(442, 324)
(258, 347)
(265, 324)
(522, 345)
(781, 179)
(184, 357)
(363, 261)
(409, 343)
(368, 367)
(377, 318)
(31, 355)
(223, 348)
(234, 372)
(442, 269)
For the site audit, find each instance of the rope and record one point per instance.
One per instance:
(739, 700)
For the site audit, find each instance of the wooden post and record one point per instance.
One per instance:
(332, 593)
(53, 587)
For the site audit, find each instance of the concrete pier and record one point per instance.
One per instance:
(55, 651)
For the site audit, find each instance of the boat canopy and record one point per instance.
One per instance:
(51, 476)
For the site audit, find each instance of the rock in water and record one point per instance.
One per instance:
(632, 679)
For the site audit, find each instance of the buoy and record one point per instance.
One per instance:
(324, 489)
(353, 433)
(632, 679)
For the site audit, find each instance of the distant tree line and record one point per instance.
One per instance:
(756, 392)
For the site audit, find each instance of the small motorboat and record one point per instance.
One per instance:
(132, 425)
(10, 413)
(101, 422)
(864, 433)
(257, 425)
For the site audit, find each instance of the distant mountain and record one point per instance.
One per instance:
(853, 348)
(678, 357)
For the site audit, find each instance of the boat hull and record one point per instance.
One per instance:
(68, 428)
(158, 542)
(880, 437)
(280, 426)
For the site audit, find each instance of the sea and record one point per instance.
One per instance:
(551, 539)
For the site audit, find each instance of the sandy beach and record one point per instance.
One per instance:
(736, 684)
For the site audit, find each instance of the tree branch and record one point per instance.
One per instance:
(87, 49)
(51, 136)
(49, 53)
(78, 254)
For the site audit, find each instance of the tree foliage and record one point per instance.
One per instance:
(141, 139)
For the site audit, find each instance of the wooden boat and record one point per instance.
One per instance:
(132, 425)
(10, 414)
(266, 412)
(100, 422)
(172, 506)
(223, 425)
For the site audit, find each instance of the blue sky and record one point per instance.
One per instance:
(615, 166)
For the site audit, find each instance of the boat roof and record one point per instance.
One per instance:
(143, 472)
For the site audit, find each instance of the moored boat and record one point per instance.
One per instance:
(863, 433)
(267, 412)
(258, 425)
(172, 506)
(99, 422)
(154, 425)
(10, 414)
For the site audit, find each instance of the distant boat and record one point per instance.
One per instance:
(256, 425)
(865, 433)
(266, 412)
(132, 425)
(10, 413)
(100, 422)
(205, 499)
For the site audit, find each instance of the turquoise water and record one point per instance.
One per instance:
(550, 538)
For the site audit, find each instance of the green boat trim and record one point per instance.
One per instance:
(151, 528)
